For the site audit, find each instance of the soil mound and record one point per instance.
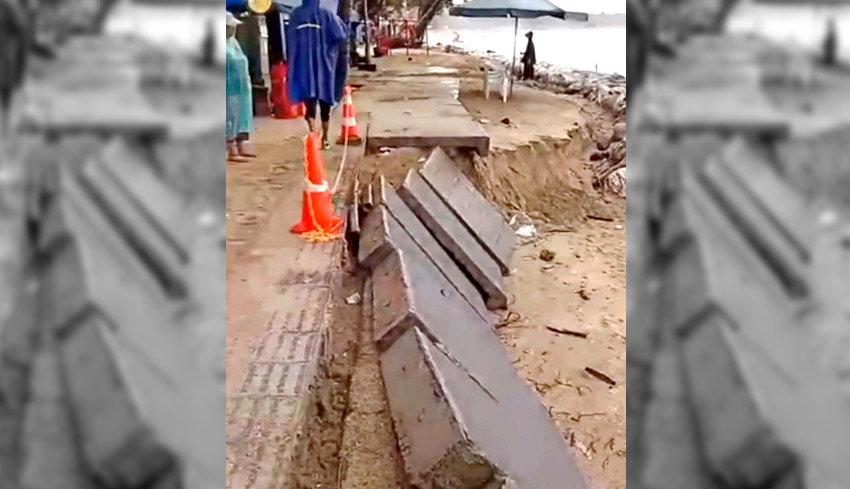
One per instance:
(549, 179)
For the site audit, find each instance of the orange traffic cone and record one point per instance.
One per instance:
(318, 222)
(350, 131)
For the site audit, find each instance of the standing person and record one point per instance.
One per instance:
(830, 44)
(240, 111)
(314, 38)
(529, 58)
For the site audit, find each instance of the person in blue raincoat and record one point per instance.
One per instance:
(239, 106)
(314, 38)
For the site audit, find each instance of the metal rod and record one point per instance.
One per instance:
(513, 62)
(368, 37)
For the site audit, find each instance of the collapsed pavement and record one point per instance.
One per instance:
(738, 345)
(463, 418)
(110, 357)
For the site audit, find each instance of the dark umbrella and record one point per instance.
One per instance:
(516, 9)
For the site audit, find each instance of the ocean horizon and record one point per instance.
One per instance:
(598, 45)
(800, 27)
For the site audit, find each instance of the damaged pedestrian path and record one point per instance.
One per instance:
(110, 324)
(738, 354)
(359, 363)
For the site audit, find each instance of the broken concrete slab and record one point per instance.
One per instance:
(374, 244)
(752, 380)
(409, 121)
(453, 433)
(410, 293)
(455, 238)
(117, 445)
(163, 208)
(480, 217)
(165, 257)
(740, 444)
(175, 397)
(394, 226)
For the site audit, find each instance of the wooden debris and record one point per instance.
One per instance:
(599, 375)
(568, 332)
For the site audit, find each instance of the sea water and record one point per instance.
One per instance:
(800, 27)
(178, 28)
(590, 46)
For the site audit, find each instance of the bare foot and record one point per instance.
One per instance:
(246, 151)
(233, 154)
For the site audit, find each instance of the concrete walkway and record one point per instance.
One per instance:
(277, 297)
(416, 106)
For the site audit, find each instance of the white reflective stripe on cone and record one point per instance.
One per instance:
(313, 188)
(350, 122)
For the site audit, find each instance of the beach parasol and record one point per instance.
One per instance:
(516, 9)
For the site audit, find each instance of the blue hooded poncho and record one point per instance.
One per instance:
(313, 39)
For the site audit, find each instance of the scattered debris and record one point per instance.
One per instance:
(568, 332)
(506, 121)
(528, 231)
(582, 291)
(547, 255)
(510, 319)
(354, 299)
(524, 227)
(599, 375)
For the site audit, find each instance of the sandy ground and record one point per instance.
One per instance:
(550, 180)
(583, 289)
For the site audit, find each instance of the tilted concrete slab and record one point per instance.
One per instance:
(455, 238)
(762, 401)
(430, 116)
(482, 218)
(459, 407)
(394, 226)
(101, 285)
(163, 208)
